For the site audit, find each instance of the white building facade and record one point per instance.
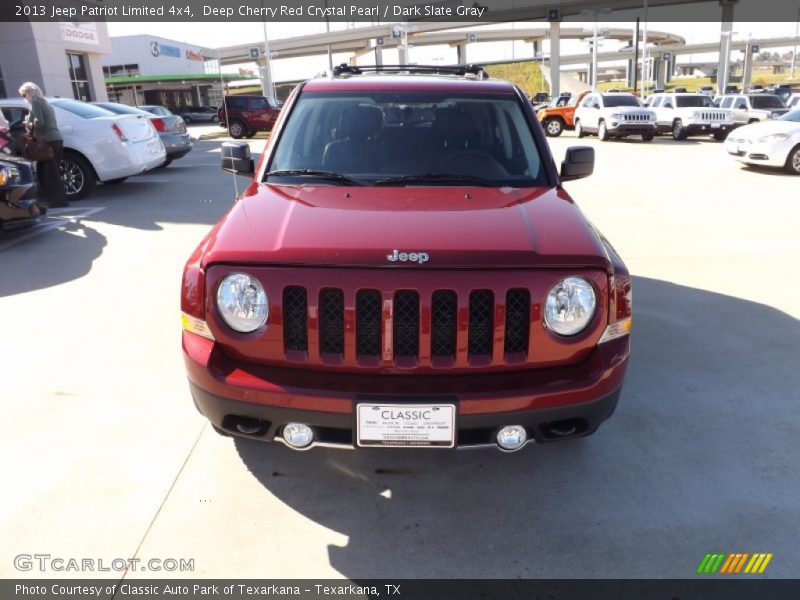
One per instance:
(64, 59)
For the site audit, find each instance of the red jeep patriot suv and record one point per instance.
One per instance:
(406, 269)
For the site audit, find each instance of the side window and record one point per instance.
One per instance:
(238, 103)
(726, 102)
(740, 103)
(14, 114)
(587, 101)
(656, 102)
(258, 104)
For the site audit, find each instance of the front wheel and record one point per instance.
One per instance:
(602, 131)
(553, 127)
(250, 134)
(678, 131)
(187, 119)
(648, 137)
(793, 161)
(78, 176)
(237, 130)
(720, 135)
(579, 129)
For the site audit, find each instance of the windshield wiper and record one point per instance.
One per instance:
(436, 178)
(329, 175)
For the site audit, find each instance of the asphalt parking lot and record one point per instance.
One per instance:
(104, 456)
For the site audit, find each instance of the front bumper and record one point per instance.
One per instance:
(552, 404)
(632, 128)
(758, 153)
(708, 128)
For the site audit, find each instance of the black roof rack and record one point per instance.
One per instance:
(476, 71)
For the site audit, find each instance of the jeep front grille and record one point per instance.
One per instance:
(713, 116)
(637, 118)
(404, 326)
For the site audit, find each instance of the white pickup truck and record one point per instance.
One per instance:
(689, 114)
(614, 115)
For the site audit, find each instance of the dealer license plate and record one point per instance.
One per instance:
(406, 425)
(715, 125)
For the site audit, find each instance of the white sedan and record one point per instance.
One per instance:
(773, 143)
(98, 144)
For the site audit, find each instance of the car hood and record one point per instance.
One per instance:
(362, 226)
(763, 128)
(624, 110)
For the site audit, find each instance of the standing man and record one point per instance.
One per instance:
(42, 123)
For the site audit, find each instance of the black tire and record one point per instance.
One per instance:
(165, 164)
(116, 181)
(250, 134)
(602, 132)
(678, 130)
(579, 132)
(793, 161)
(720, 135)
(187, 119)
(553, 127)
(751, 121)
(237, 130)
(648, 137)
(78, 176)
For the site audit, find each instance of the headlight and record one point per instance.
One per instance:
(242, 302)
(617, 117)
(774, 137)
(570, 306)
(9, 175)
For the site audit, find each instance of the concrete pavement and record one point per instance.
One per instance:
(104, 456)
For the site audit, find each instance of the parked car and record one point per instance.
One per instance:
(159, 111)
(750, 108)
(199, 114)
(793, 101)
(680, 90)
(614, 115)
(540, 97)
(685, 115)
(345, 299)
(708, 90)
(171, 129)
(98, 144)
(19, 205)
(244, 116)
(773, 143)
(560, 114)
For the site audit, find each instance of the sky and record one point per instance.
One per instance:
(214, 35)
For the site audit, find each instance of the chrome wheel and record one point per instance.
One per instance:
(73, 177)
(794, 159)
(553, 128)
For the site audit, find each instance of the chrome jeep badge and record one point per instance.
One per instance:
(417, 257)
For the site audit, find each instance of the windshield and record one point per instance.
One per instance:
(766, 102)
(609, 101)
(82, 109)
(791, 116)
(408, 138)
(693, 101)
(121, 109)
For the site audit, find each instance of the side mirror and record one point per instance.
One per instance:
(236, 159)
(578, 163)
(668, 105)
(596, 105)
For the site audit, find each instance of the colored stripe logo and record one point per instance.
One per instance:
(733, 563)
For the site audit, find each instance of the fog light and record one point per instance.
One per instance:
(512, 437)
(298, 435)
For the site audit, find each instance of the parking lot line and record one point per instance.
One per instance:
(54, 218)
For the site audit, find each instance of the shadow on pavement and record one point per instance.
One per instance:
(701, 455)
(69, 254)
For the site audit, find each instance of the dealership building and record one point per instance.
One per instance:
(64, 59)
(145, 69)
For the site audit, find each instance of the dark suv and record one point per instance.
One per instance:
(244, 116)
(406, 269)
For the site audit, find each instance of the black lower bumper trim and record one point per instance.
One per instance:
(543, 425)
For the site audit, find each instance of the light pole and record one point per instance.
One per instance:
(796, 32)
(645, 71)
(328, 31)
(594, 13)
